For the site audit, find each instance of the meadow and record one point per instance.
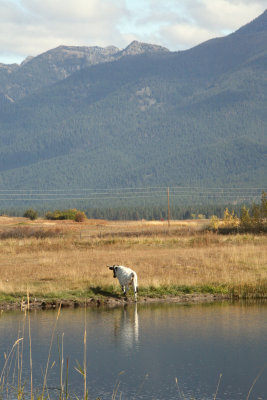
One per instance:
(67, 261)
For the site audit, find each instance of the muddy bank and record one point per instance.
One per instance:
(111, 302)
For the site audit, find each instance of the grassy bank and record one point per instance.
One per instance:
(62, 260)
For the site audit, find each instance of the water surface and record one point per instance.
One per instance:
(141, 349)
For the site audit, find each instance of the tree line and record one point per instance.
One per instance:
(252, 219)
(246, 212)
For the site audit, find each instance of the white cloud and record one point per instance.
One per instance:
(183, 24)
(225, 14)
(75, 10)
(182, 36)
(30, 27)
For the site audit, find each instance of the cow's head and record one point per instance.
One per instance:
(114, 269)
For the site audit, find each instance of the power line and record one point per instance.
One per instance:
(134, 189)
(244, 197)
(89, 194)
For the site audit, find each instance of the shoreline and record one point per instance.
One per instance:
(112, 302)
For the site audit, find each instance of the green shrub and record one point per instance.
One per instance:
(31, 214)
(71, 214)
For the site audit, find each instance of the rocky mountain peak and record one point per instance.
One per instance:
(136, 47)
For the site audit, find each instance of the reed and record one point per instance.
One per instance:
(12, 371)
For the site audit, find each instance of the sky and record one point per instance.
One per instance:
(31, 27)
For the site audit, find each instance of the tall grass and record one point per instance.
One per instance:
(8, 390)
(72, 265)
(23, 232)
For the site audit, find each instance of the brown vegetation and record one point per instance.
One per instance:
(70, 259)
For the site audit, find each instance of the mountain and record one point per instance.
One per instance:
(137, 48)
(143, 116)
(258, 25)
(34, 73)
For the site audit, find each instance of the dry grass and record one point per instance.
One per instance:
(73, 257)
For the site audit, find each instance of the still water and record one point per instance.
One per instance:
(139, 350)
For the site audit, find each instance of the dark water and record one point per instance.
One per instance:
(152, 344)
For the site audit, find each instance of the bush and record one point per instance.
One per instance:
(31, 214)
(80, 216)
(71, 214)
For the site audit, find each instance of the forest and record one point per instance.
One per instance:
(195, 117)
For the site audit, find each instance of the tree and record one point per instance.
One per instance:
(245, 219)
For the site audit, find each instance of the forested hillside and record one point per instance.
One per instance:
(196, 117)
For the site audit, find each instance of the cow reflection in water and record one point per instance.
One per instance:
(126, 326)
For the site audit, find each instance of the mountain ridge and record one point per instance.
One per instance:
(18, 81)
(161, 118)
(256, 25)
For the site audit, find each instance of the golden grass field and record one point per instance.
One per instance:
(71, 261)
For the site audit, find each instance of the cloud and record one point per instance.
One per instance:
(183, 36)
(220, 15)
(75, 10)
(183, 24)
(30, 27)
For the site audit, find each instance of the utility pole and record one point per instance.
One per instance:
(169, 214)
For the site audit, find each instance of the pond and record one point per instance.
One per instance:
(137, 352)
